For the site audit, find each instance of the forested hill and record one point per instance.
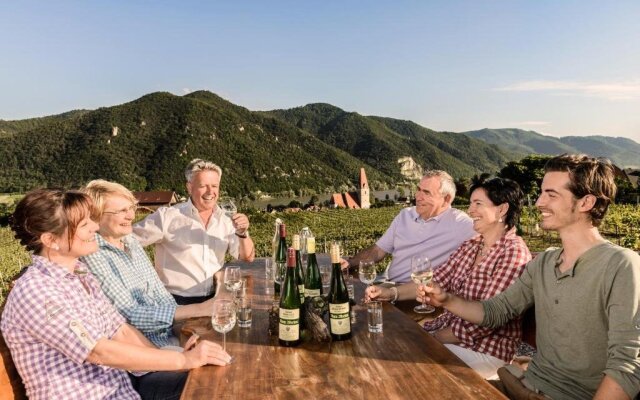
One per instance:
(145, 144)
(622, 151)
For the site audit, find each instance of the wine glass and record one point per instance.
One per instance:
(232, 279)
(223, 318)
(367, 272)
(228, 207)
(422, 273)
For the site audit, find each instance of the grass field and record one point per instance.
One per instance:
(355, 229)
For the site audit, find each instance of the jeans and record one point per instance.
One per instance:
(161, 385)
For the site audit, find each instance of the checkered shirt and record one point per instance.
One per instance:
(51, 324)
(497, 271)
(130, 281)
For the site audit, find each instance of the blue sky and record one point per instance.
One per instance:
(557, 67)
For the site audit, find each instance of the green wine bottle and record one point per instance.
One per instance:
(313, 281)
(281, 259)
(299, 272)
(339, 307)
(289, 312)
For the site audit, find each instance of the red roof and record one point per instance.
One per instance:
(336, 198)
(157, 197)
(351, 203)
(363, 179)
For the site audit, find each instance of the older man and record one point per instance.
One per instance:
(193, 237)
(587, 293)
(432, 227)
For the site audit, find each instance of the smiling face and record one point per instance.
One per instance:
(429, 199)
(484, 213)
(83, 241)
(204, 190)
(557, 205)
(117, 217)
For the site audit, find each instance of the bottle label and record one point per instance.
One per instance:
(339, 316)
(289, 326)
(311, 292)
(311, 245)
(301, 291)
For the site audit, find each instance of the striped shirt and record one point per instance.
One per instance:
(51, 323)
(496, 271)
(130, 281)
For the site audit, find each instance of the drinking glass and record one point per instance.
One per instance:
(422, 273)
(367, 272)
(325, 276)
(350, 288)
(228, 207)
(374, 316)
(244, 312)
(223, 318)
(232, 279)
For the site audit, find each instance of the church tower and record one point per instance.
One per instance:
(363, 191)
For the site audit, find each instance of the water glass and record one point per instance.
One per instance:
(325, 275)
(244, 312)
(374, 316)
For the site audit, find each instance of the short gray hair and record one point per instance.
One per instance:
(447, 185)
(197, 165)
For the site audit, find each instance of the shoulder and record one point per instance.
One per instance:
(31, 286)
(621, 257)
(458, 216)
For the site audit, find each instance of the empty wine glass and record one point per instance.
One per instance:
(367, 272)
(232, 279)
(422, 273)
(228, 207)
(223, 318)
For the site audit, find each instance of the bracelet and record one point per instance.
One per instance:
(395, 294)
(243, 235)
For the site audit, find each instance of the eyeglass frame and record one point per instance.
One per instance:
(124, 211)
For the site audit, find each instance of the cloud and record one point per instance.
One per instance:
(186, 90)
(622, 90)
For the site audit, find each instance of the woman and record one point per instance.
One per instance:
(65, 337)
(479, 269)
(125, 272)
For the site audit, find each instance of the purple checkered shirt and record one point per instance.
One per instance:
(51, 324)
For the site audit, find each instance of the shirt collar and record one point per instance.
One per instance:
(194, 213)
(103, 244)
(417, 218)
(57, 271)
(510, 234)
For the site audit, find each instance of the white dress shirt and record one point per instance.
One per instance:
(188, 254)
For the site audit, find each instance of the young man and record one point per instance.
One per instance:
(586, 294)
(193, 237)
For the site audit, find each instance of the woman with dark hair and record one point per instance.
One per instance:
(65, 337)
(480, 268)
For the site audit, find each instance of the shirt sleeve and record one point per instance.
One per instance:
(386, 241)
(508, 267)
(623, 310)
(514, 300)
(150, 230)
(145, 317)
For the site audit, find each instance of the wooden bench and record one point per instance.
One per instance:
(11, 387)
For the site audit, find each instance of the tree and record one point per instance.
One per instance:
(528, 172)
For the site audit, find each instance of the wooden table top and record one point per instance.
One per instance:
(402, 362)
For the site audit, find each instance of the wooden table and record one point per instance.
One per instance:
(403, 362)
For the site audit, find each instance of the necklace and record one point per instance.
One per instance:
(483, 250)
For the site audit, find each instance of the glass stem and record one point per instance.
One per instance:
(224, 341)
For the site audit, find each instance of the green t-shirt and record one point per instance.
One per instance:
(587, 320)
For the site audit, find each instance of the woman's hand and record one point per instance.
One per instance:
(378, 293)
(432, 294)
(206, 352)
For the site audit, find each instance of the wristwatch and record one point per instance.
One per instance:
(243, 235)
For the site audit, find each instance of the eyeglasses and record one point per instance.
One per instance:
(132, 207)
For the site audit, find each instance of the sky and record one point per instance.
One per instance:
(557, 67)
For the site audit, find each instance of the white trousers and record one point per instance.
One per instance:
(485, 365)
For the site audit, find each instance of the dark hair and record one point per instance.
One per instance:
(501, 191)
(587, 175)
(48, 211)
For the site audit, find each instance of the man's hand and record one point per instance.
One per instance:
(344, 264)
(432, 294)
(240, 223)
(206, 352)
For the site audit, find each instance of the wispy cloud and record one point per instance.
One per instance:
(621, 90)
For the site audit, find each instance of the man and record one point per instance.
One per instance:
(432, 227)
(193, 237)
(587, 293)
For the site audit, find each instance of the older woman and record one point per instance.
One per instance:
(125, 272)
(65, 337)
(479, 269)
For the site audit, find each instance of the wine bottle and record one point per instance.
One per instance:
(299, 273)
(289, 312)
(281, 258)
(313, 281)
(339, 307)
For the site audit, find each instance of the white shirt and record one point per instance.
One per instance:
(187, 254)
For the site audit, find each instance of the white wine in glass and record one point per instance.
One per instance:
(422, 273)
(228, 207)
(232, 279)
(223, 318)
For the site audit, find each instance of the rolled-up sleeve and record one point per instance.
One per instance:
(150, 230)
(386, 241)
(623, 310)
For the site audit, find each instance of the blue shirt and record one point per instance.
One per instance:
(132, 284)
(410, 235)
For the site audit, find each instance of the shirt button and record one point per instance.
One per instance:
(556, 301)
(558, 282)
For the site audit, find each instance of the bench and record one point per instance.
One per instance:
(11, 387)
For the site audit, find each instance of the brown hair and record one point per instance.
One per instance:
(48, 211)
(587, 175)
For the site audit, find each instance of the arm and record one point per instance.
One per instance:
(471, 311)
(372, 253)
(610, 390)
(149, 230)
(406, 291)
(246, 248)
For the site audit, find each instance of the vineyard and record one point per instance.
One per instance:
(357, 229)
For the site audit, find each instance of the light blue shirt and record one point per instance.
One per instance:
(410, 235)
(129, 280)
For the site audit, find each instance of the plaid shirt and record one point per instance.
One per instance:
(496, 272)
(132, 284)
(51, 324)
